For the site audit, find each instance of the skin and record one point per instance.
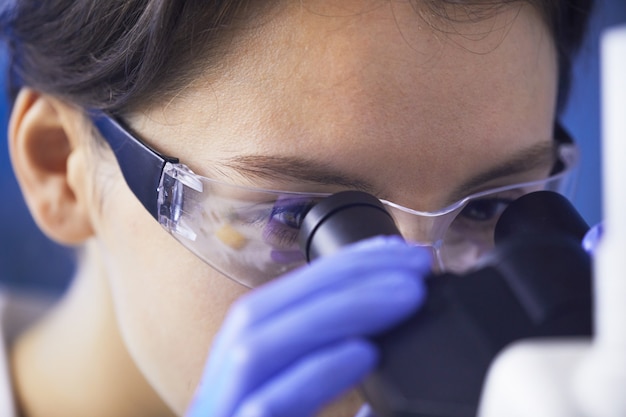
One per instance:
(369, 89)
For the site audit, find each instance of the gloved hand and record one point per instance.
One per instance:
(296, 343)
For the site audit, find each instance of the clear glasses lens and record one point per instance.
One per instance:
(250, 235)
(462, 233)
(471, 233)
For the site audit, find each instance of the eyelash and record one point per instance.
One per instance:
(480, 204)
(466, 223)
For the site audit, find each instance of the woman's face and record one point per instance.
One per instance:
(415, 106)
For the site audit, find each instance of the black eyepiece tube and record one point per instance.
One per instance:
(343, 218)
(539, 215)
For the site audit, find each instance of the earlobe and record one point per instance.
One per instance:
(48, 161)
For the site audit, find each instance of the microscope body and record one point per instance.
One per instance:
(535, 283)
(435, 364)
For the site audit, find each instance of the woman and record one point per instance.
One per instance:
(419, 103)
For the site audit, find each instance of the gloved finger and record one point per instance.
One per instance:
(313, 382)
(378, 254)
(592, 238)
(368, 306)
(366, 411)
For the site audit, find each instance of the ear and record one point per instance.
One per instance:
(48, 158)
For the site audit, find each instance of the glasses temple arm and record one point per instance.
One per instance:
(141, 166)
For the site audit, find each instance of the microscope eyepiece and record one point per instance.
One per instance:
(341, 219)
(539, 215)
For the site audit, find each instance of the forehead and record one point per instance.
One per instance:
(376, 87)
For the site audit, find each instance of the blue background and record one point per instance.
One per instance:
(29, 260)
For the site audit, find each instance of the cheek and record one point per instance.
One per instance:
(168, 303)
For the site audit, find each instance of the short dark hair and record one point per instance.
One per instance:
(115, 55)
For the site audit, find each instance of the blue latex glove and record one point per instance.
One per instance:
(293, 345)
(592, 238)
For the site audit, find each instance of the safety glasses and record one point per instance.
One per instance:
(250, 234)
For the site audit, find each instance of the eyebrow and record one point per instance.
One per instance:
(542, 154)
(290, 169)
(287, 168)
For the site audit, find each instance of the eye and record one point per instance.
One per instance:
(290, 214)
(485, 209)
(284, 221)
